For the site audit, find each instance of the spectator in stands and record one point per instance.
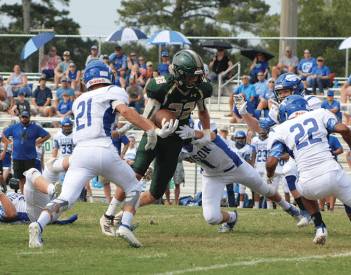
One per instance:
(259, 65)
(250, 135)
(119, 81)
(306, 91)
(135, 94)
(73, 76)
(7, 104)
(268, 94)
(94, 55)
(261, 85)
(287, 64)
(62, 68)
(132, 59)
(347, 115)
(21, 105)
(163, 67)
(332, 105)
(61, 90)
(134, 75)
(118, 61)
(345, 91)
(155, 73)
(304, 69)
(142, 64)
(65, 107)
(105, 59)
(81, 88)
(219, 64)
(206, 70)
(129, 156)
(146, 75)
(17, 81)
(320, 76)
(49, 64)
(42, 100)
(25, 137)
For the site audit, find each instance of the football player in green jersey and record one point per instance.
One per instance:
(180, 92)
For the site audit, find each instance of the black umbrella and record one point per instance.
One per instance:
(251, 53)
(216, 44)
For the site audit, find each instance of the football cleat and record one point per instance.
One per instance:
(229, 226)
(58, 189)
(321, 234)
(35, 240)
(118, 218)
(306, 219)
(294, 212)
(126, 233)
(107, 226)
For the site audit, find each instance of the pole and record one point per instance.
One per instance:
(288, 25)
(41, 50)
(347, 63)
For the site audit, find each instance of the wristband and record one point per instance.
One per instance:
(207, 133)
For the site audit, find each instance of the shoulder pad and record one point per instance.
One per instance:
(158, 87)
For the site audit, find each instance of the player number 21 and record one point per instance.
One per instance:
(81, 106)
(301, 133)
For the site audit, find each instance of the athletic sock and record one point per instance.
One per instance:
(257, 204)
(241, 204)
(44, 219)
(232, 217)
(51, 190)
(300, 204)
(91, 199)
(127, 218)
(317, 219)
(284, 204)
(113, 207)
(269, 204)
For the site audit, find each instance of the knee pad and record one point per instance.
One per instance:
(291, 180)
(271, 191)
(213, 219)
(56, 207)
(132, 199)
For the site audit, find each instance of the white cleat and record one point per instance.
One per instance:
(35, 239)
(118, 218)
(321, 235)
(294, 212)
(58, 189)
(50, 164)
(304, 222)
(126, 234)
(107, 226)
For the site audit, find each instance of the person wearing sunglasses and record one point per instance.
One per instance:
(49, 63)
(163, 67)
(320, 76)
(220, 63)
(73, 76)
(259, 65)
(62, 68)
(142, 64)
(132, 59)
(118, 61)
(94, 55)
(304, 69)
(287, 64)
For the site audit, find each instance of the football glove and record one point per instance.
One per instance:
(122, 131)
(186, 132)
(148, 174)
(167, 129)
(241, 104)
(151, 139)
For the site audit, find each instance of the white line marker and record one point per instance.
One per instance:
(257, 261)
(29, 253)
(157, 255)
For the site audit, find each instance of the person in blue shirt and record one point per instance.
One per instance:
(65, 107)
(345, 91)
(304, 69)
(259, 65)
(25, 137)
(332, 105)
(163, 67)
(320, 76)
(118, 61)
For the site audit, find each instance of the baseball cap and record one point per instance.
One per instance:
(223, 127)
(105, 56)
(164, 53)
(21, 93)
(320, 58)
(118, 47)
(65, 93)
(149, 63)
(24, 113)
(94, 48)
(287, 49)
(64, 79)
(66, 53)
(330, 93)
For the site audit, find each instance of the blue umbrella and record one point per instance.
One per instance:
(168, 38)
(35, 43)
(126, 34)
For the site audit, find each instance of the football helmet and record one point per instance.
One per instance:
(67, 125)
(97, 72)
(291, 107)
(187, 63)
(240, 135)
(288, 81)
(263, 133)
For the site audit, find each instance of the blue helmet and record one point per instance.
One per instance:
(290, 81)
(291, 106)
(240, 134)
(67, 122)
(97, 72)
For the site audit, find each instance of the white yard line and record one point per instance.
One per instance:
(256, 261)
(31, 253)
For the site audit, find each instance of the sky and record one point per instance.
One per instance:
(98, 18)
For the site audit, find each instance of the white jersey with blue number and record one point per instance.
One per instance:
(260, 147)
(94, 116)
(216, 157)
(280, 166)
(244, 152)
(8, 150)
(305, 137)
(314, 102)
(21, 208)
(64, 143)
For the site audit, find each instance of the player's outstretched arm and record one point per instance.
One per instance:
(344, 131)
(274, 156)
(133, 117)
(8, 206)
(204, 117)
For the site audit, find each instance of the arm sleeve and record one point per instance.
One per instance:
(277, 149)
(56, 144)
(266, 123)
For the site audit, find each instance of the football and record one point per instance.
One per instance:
(3, 94)
(161, 114)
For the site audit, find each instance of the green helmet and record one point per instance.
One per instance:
(187, 62)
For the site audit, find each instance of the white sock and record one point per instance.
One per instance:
(284, 204)
(91, 199)
(57, 165)
(257, 204)
(35, 175)
(269, 204)
(232, 217)
(44, 219)
(241, 204)
(113, 207)
(51, 189)
(127, 218)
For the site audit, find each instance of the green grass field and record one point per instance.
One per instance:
(177, 240)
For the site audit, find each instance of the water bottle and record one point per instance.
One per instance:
(336, 83)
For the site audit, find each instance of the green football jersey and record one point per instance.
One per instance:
(165, 91)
